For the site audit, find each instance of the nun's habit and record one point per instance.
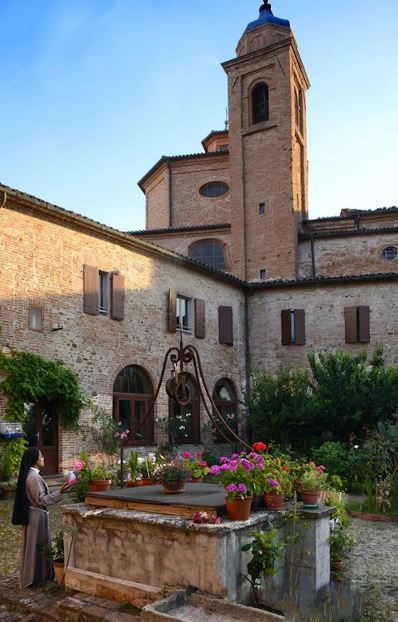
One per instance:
(30, 510)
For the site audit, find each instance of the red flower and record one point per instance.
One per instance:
(259, 447)
(286, 469)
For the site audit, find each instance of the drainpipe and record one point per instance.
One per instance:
(170, 197)
(3, 199)
(247, 340)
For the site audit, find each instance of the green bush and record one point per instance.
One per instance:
(334, 456)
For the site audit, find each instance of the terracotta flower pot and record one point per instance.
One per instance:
(197, 480)
(100, 485)
(238, 509)
(134, 483)
(311, 497)
(274, 502)
(59, 569)
(148, 481)
(172, 488)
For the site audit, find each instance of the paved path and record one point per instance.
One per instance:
(373, 564)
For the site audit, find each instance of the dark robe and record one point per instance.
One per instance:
(36, 561)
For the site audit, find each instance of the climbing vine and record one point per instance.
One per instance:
(30, 378)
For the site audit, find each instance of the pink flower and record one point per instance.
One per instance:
(224, 460)
(127, 431)
(232, 488)
(78, 466)
(273, 482)
(241, 488)
(235, 457)
(247, 465)
(198, 455)
(202, 464)
(187, 454)
(119, 423)
(215, 470)
(224, 467)
(320, 468)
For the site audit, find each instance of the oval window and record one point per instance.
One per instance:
(390, 253)
(214, 189)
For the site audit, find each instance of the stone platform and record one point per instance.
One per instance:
(208, 498)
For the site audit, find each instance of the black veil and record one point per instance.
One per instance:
(20, 515)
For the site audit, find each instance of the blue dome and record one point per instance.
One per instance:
(267, 17)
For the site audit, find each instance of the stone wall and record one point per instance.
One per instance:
(324, 321)
(42, 260)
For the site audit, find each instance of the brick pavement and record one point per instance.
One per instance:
(41, 605)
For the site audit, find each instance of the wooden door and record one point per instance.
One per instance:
(41, 430)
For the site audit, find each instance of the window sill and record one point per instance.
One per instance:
(260, 127)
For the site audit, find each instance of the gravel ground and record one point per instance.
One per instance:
(10, 535)
(373, 566)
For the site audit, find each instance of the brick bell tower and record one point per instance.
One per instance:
(267, 83)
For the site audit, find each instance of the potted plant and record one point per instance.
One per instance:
(58, 555)
(238, 475)
(313, 482)
(99, 479)
(274, 496)
(173, 476)
(198, 467)
(135, 475)
(340, 544)
(147, 467)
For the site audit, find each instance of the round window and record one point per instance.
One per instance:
(390, 253)
(214, 189)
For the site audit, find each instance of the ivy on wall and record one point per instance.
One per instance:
(30, 378)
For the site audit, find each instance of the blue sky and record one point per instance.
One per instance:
(93, 92)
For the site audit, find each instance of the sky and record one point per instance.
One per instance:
(94, 92)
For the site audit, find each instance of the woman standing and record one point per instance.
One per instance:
(30, 510)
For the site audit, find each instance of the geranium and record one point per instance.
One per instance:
(196, 466)
(202, 518)
(259, 447)
(238, 474)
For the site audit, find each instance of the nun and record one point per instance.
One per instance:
(30, 510)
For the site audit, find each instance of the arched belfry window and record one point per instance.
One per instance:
(260, 103)
(209, 252)
(132, 392)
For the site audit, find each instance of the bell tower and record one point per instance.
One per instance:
(267, 83)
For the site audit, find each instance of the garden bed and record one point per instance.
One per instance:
(368, 516)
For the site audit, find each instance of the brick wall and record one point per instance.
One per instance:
(347, 255)
(42, 260)
(324, 321)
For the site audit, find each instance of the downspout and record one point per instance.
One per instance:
(247, 351)
(313, 257)
(170, 198)
(4, 199)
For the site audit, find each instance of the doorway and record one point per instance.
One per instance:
(41, 429)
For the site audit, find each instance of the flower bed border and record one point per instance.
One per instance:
(382, 518)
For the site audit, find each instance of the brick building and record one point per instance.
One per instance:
(229, 252)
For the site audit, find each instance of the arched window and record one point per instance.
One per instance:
(132, 391)
(225, 398)
(209, 252)
(260, 103)
(184, 421)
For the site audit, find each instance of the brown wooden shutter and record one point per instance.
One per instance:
(200, 318)
(299, 327)
(117, 297)
(225, 326)
(363, 324)
(350, 316)
(286, 327)
(172, 311)
(90, 290)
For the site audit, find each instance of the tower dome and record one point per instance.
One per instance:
(266, 16)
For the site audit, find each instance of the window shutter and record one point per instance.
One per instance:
(172, 311)
(117, 300)
(200, 318)
(286, 327)
(299, 326)
(363, 324)
(90, 290)
(225, 326)
(350, 316)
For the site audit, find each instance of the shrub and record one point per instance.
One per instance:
(334, 456)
